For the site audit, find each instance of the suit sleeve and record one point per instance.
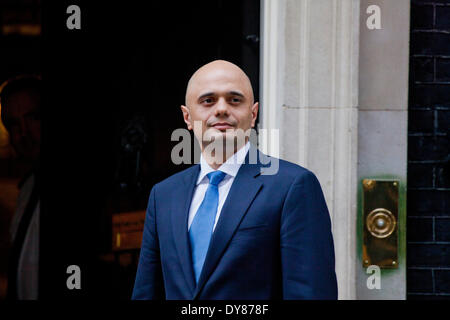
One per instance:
(149, 281)
(307, 249)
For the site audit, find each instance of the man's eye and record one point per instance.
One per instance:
(236, 100)
(208, 100)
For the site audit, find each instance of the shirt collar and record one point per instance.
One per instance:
(230, 167)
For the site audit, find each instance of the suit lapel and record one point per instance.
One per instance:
(180, 213)
(244, 189)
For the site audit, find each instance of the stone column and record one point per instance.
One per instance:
(310, 93)
(337, 92)
(383, 127)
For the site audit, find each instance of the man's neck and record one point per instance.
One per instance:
(214, 162)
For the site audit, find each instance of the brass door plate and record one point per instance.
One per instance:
(380, 223)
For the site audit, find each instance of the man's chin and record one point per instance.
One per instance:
(214, 133)
(224, 135)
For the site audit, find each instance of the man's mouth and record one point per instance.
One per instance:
(222, 126)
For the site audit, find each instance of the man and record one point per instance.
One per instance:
(224, 230)
(20, 100)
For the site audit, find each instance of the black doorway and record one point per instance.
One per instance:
(112, 92)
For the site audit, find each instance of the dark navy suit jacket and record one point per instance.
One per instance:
(273, 239)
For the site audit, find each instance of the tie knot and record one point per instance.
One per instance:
(215, 177)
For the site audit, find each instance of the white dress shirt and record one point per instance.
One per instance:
(230, 167)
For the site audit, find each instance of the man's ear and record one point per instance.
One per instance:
(254, 113)
(186, 116)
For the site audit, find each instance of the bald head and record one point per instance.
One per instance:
(219, 100)
(219, 70)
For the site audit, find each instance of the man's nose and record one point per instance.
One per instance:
(222, 107)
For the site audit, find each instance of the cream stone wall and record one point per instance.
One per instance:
(313, 83)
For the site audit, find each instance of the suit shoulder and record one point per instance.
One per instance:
(289, 169)
(177, 178)
(293, 168)
(286, 173)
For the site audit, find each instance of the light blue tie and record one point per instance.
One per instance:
(203, 223)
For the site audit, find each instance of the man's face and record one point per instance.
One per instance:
(21, 114)
(220, 97)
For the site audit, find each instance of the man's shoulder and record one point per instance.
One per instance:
(178, 177)
(290, 174)
(285, 169)
(272, 168)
